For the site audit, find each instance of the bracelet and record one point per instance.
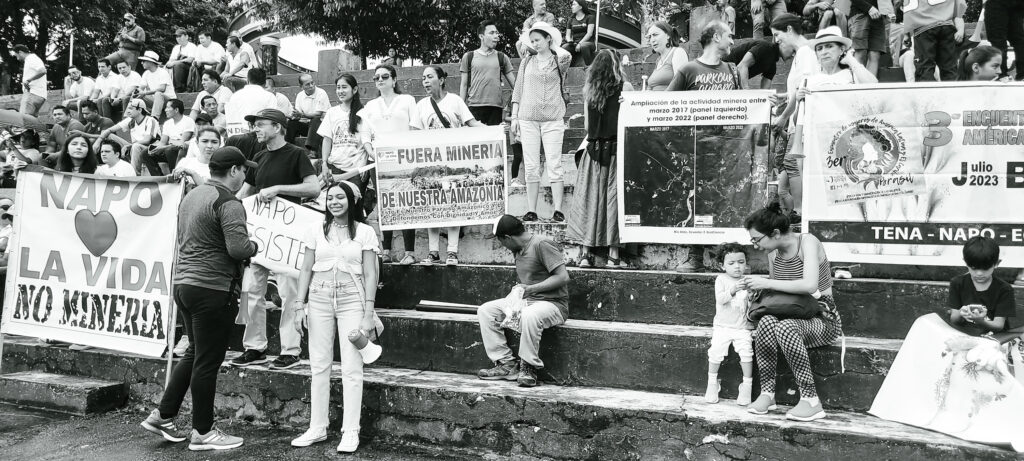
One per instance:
(370, 300)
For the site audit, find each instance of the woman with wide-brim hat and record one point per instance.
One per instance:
(538, 111)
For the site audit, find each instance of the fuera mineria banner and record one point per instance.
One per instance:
(902, 174)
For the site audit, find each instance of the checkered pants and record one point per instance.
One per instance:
(794, 337)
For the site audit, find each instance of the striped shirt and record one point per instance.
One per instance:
(793, 268)
(539, 88)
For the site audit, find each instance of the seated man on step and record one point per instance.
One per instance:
(544, 285)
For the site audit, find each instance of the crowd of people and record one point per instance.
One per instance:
(240, 138)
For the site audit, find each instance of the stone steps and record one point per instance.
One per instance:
(869, 307)
(657, 358)
(61, 393)
(462, 413)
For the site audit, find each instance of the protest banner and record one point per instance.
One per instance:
(91, 261)
(441, 178)
(278, 227)
(691, 165)
(900, 174)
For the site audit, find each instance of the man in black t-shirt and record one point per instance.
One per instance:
(969, 292)
(753, 58)
(283, 171)
(708, 71)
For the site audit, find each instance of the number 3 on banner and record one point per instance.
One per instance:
(912, 5)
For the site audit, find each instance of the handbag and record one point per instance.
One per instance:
(782, 305)
(378, 326)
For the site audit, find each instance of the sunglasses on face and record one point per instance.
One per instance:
(382, 77)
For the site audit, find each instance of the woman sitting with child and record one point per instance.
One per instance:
(797, 264)
(951, 375)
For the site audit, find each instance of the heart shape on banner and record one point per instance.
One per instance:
(96, 230)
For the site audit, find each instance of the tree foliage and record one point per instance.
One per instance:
(429, 30)
(47, 27)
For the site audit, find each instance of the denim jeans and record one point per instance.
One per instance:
(208, 316)
(535, 318)
(334, 306)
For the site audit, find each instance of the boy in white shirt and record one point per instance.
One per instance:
(112, 165)
(731, 325)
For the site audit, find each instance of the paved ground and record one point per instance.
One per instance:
(29, 434)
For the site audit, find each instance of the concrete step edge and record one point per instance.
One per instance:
(852, 342)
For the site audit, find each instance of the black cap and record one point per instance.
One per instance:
(227, 157)
(203, 117)
(508, 225)
(273, 115)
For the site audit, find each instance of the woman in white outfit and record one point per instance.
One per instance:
(339, 275)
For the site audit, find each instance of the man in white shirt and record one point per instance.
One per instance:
(107, 88)
(77, 88)
(239, 63)
(177, 132)
(180, 61)
(310, 106)
(209, 54)
(112, 165)
(283, 104)
(248, 101)
(157, 87)
(33, 81)
(131, 81)
(211, 87)
(142, 129)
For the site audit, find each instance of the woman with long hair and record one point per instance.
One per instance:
(982, 63)
(580, 35)
(77, 156)
(345, 143)
(593, 216)
(442, 110)
(664, 40)
(391, 112)
(797, 264)
(339, 276)
(538, 113)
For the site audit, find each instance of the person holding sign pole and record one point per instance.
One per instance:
(284, 171)
(440, 110)
(213, 246)
(391, 112)
(339, 275)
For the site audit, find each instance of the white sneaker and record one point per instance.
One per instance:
(349, 442)
(310, 437)
(711, 395)
(179, 349)
(744, 397)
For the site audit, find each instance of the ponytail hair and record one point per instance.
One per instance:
(768, 220)
(979, 55)
(673, 34)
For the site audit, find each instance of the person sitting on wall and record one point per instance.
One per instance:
(543, 285)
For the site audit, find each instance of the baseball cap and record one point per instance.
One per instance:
(138, 104)
(129, 16)
(203, 117)
(507, 225)
(273, 115)
(227, 157)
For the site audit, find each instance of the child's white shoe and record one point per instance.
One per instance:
(744, 397)
(711, 396)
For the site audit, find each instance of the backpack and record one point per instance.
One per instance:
(468, 57)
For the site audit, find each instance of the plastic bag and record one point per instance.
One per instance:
(513, 309)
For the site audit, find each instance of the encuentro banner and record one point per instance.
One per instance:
(91, 261)
(441, 178)
(901, 174)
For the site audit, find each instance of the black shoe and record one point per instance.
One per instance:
(250, 357)
(284, 362)
(558, 217)
(527, 375)
(530, 217)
